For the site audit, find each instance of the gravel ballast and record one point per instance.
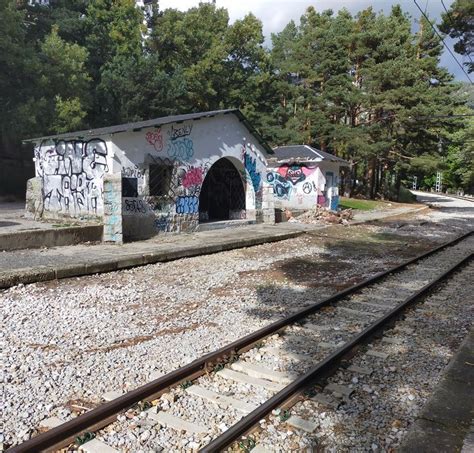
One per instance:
(66, 343)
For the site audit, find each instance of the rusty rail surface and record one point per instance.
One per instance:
(322, 370)
(61, 435)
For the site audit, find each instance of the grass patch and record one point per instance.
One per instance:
(361, 205)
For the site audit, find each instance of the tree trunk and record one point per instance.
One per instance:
(398, 184)
(378, 178)
(364, 177)
(372, 174)
(352, 186)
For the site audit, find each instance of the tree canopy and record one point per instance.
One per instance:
(365, 87)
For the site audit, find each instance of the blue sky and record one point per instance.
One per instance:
(275, 14)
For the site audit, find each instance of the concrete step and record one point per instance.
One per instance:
(261, 372)
(227, 373)
(218, 225)
(221, 400)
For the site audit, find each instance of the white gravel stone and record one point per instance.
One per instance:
(68, 342)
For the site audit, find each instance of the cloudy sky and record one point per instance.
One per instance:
(275, 14)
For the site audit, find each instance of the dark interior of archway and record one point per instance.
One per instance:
(222, 191)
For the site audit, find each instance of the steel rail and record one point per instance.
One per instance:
(57, 436)
(320, 370)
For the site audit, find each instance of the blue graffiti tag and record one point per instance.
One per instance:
(181, 149)
(187, 205)
(251, 167)
(163, 223)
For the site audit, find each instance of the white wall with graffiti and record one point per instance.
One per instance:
(185, 152)
(304, 185)
(71, 172)
(163, 171)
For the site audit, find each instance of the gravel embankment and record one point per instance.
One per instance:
(64, 344)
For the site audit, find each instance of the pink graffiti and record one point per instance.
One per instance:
(295, 173)
(155, 139)
(193, 177)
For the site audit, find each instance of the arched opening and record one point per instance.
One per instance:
(222, 194)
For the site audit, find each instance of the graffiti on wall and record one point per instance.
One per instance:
(164, 222)
(192, 177)
(135, 206)
(132, 172)
(307, 188)
(72, 172)
(281, 187)
(187, 205)
(285, 179)
(180, 132)
(181, 149)
(180, 197)
(295, 173)
(250, 164)
(155, 139)
(180, 145)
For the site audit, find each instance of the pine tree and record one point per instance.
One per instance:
(458, 23)
(114, 35)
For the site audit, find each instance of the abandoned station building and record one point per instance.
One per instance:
(171, 174)
(304, 177)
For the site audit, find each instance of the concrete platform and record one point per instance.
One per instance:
(34, 265)
(19, 232)
(445, 422)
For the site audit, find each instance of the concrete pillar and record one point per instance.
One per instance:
(113, 209)
(268, 204)
(34, 198)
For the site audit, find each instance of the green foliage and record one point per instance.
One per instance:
(70, 114)
(64, 83)
(356, 86)
(113, 35)
(364, 87)
(458, 23)
(18, 64)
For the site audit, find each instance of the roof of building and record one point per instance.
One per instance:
(88, 133)
(305, 152)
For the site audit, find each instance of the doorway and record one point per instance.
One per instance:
(222, 194)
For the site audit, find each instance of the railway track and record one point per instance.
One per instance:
(211, 403)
